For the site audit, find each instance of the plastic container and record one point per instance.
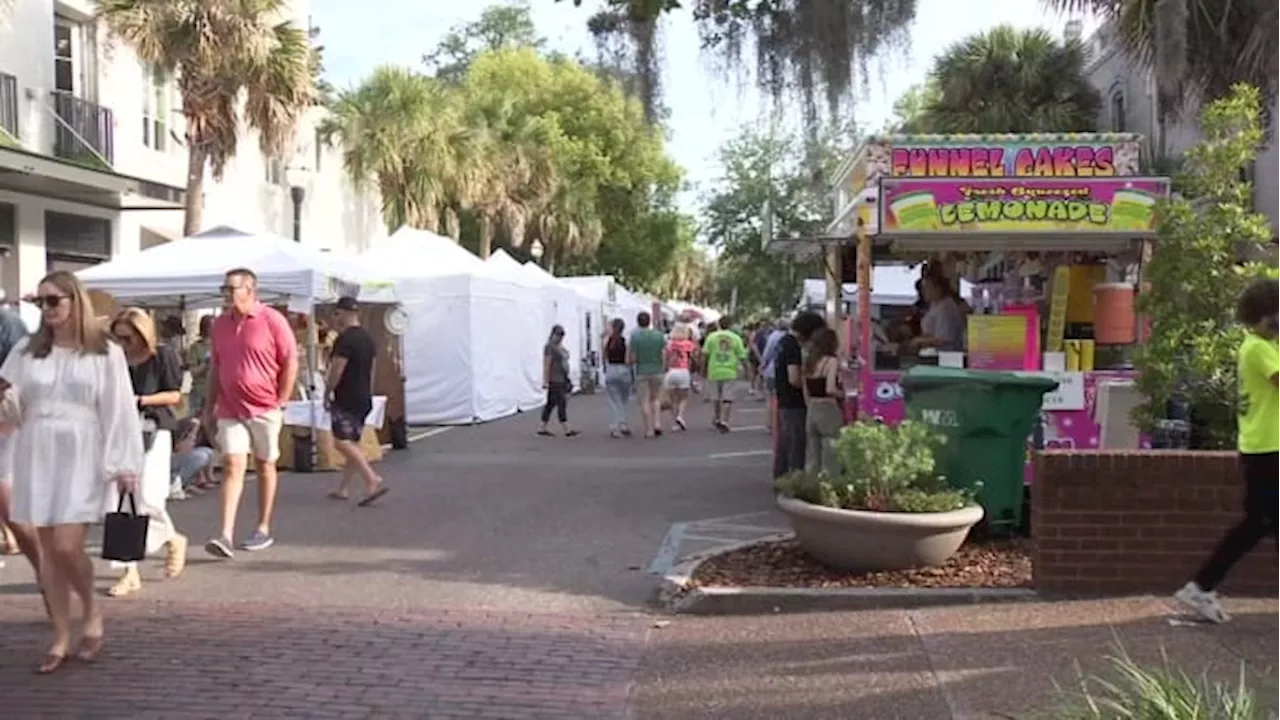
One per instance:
(1082, 279)
(986, 418)
(1114, 322)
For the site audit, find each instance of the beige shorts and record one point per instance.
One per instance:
(258, 435)
(649, 387)
(725, 390)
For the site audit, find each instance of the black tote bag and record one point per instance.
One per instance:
(124, 534)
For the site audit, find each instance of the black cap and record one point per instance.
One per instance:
(347, 304)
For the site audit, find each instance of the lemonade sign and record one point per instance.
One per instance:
(911, 205)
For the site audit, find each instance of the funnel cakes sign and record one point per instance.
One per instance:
(1078, 155)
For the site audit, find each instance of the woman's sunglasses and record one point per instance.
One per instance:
(47, 302)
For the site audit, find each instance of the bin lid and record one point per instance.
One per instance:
(925, 376)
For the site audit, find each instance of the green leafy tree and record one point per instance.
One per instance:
(611, 180)
(1196, 274)
(762, 166)
(499, 27)
(909, 108)
(1006, 80)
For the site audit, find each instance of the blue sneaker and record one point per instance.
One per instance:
(257, 541)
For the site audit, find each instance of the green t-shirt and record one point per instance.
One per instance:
(725, 353)
(1257, 362)
(647, 345)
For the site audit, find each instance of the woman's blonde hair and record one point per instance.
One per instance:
(140, 322)
(90, 335)
(682, 331)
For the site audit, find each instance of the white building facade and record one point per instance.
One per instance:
(93, 162)
(1129, 105)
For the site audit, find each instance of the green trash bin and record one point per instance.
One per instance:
(986, 418)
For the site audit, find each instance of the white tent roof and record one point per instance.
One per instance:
(501, 262)
(410, 252)
(191, 270)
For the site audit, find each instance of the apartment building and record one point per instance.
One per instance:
(93, 161)
(1128, 105)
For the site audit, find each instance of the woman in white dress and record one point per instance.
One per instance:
(155, 373)
(67, 393)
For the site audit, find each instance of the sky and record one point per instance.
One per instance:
(705, 109)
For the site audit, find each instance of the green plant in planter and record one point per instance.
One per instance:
(886, 468)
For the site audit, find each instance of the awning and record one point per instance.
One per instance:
(31, 173)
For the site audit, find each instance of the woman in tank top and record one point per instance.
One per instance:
(618, 381)
(823, 398)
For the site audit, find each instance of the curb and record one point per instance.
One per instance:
(678, 596)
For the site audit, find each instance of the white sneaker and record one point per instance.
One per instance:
(1205, 604)
(176, 492)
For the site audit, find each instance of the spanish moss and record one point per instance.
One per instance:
(818, 52)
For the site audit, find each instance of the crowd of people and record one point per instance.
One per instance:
(89, 416)
(795, 362)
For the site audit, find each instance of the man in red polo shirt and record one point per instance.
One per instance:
(253, 365)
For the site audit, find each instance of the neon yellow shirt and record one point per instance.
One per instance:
(725, 354)
(1257, 364)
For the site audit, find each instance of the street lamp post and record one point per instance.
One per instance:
(304, 446)
(296, 176)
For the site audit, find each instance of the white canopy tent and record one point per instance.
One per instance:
(560, 305)
(470, 355)
(190, 272)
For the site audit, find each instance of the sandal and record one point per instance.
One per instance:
(128, 584)
(374, 496)
(546, 433)
(573, 433)
(90, 648)
(50, 664)
(175, 559)
(335, 495)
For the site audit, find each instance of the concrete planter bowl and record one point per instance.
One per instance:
(862, 541)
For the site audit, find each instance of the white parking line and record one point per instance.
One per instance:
(744, 453)
(429, 433)
(423, 435)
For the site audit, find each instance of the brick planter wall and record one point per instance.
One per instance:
(1137, 521)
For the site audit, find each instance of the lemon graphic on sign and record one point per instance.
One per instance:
(915, 211)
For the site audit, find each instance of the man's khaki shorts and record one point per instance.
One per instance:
(725, 390)
(259, 436)
(649, 387)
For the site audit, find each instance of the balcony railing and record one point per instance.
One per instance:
(85, 132)
(9, 105)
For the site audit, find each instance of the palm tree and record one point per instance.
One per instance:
(222, 52)
(1009, 81)
(519, 174)
(405, 133)
(1196, 48)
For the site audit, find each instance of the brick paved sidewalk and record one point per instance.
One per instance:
(187, 660)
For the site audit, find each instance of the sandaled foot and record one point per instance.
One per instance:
(546, 433)
(337, 495)
(128, 584)
(573, 433)
(51, 663)
(175, 559)
(90, 648)
(374, 496)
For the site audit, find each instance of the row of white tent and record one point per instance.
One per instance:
(473, 345)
